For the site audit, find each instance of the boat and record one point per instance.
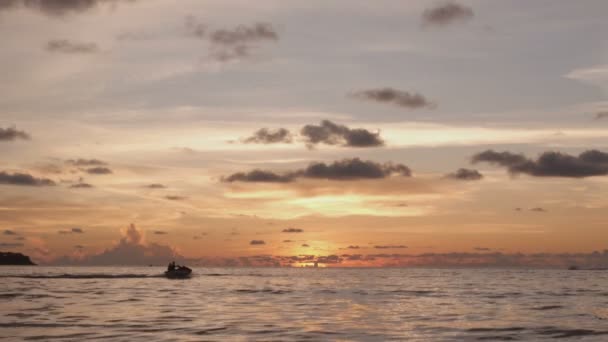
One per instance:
(180, 272)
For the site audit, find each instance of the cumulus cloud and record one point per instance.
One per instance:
(11, 133)
(293, 230)
(465, 174)
(70, 47)
(56, 7)
(261, 176)
(346, 169)
(601, 115)
(85, 162)
(334, 134)
(24, 179)
(100, 170)
(549, 164)
(446, 14)
(395, 97)
(257, 242)
(270, 136)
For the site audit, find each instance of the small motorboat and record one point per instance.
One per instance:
(179, 272)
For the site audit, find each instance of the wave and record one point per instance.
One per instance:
(81, 276)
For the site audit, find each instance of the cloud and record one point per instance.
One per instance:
(465, 174)
(268, 136)
(293, 230)
(175, 198)
(56, 7)
(601, 115)
(11, 133)
(100, 170)
(231, 44)
(10, 244)
(85, 162)
(131, 249)
(287, 241)
(539, 210)
(71, 231)
(482, 249)
(346, 169)
(160, 232)
(155, 186)
(334, 134)
(549, 164)
(305, 245)
(81, 186)
(353, 247)
(9, 232)
(395, 97)
(24, 179)
(390, 247)
(257, 242)
(446, 14)
(66, 46)
(243, 35)
(255, 176)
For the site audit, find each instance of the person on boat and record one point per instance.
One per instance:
(171, 266)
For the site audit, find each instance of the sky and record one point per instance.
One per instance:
(346, 133)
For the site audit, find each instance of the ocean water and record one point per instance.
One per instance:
(282, 304)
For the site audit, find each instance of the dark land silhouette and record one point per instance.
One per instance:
(10, 258)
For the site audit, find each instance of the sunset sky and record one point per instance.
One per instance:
(351, 133)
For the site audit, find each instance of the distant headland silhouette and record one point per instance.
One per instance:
(10, 258)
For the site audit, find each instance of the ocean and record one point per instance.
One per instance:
(302, 304)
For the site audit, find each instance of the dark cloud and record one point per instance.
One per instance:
(334, 134)
(539, 210)
(482, 249)
(81, 186)
(9, 232)
(20, 238)
(395, 97)
(79, 247)
(175, 198)
(57, 7)
(10, 244)
(243, 35)
(390, 246)
(155, 186)
(257, 242)
(601, 115)
(549, 164)
(66, 46)
(195, 28)
(287, 241)
(293, 230)
(446, 14)
(262, 176)
(465, 174)
(353, 247)
(346, 169)
(269, 136)
(160, 232)
(77, 231)
(232, 44)
(305, 245)
(100, 170)
(11, 133)
(24, 179)
(349, 169)
(85, 162)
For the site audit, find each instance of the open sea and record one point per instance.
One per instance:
(291, 304)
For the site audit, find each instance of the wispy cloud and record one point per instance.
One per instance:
(394, 97)
(71, 47)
